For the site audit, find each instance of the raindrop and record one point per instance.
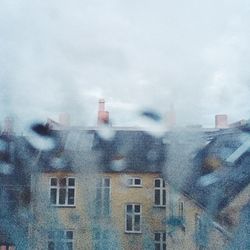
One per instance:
(152, 155)
(207, 180)
(58, 162)
(39, 137)
(3, 145)
(118, 165)
(152, 123)
(6, 168)
(106, 132)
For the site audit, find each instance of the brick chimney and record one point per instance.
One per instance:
(8, 126)
(221, 121)
(171, 117)
(103, 116)
(64, 119)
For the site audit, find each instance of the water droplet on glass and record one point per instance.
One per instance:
(38, 137)
(152, 123)
(106, 132)
(207, 180)
(6, 168)
(118, 165)
(58, 162)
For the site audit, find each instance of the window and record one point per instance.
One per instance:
(133, 218)
(200, 233)
(160, 241)
(103, 194)
(160, 193)
(60, 240)
(134, 182)
(101, 240)
(181, 209)
(6, 247)
(62, 191)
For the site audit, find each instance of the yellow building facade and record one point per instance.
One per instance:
(111, 210)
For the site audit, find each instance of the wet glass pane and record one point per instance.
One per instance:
(51, 246)
(157, 197)
(63, 182)
(106, 182)
(157, 246)
(137, 222)
(71, 196)
(53, 181)
(106, 201)
(137, 208)
(51, 235)
(53, 193)
(137, 181)
(69, 246)
(71, 181)
(129, 222)
(164, 236)
(164, 197)
(157, 183)
(129, 208)
(62, 196)
(69, 235)
(157, 236)
(130, 182)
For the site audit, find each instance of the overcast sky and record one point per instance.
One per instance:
(58, 55)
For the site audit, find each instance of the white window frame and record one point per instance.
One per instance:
(162, 242)
(162, 188)
(63, 240)
(133, 184)
(133, 213)
(102, 190)
(58, 188)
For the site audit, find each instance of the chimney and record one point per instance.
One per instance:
(221, 121)
(8, 126)
(64, 119)
(103, 116)
(171, 117)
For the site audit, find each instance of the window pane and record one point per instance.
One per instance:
(157, 197)
(62, 195)
(137, 222)
(164, 197)
(53, 196)
(53, 181)
(137, 208)
(71, 196)
(129, 222)
(51, 235)
(163, 183)
(157, 236)
(130, 182)
(106, 182)
(157, 183)
(164, 236)
(59, 245)
(63, 182)
(69, 246)
(157, 246)
(129, 208)
(71, 182)
(106, 201)
(51, 246)
(164, 246)
(69, 235)
(137, 181)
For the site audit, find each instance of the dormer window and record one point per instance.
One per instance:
(135, 182)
